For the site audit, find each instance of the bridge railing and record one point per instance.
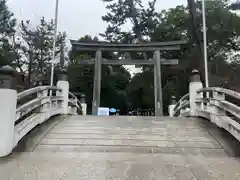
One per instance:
(182, 106)
(34, 106)
(75, 104)
(220, 106)
(22, 112)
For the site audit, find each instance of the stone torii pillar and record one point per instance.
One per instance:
(158, 84)
(97, 82)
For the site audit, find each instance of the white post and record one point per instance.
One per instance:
(84, 108)
(45, 106)
(181, 110)
(194, 85)
(83, 104)
(205, 43)
(54, 42)
(64, 85)
(172, 106)
(8, 103)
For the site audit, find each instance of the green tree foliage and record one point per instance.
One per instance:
(140, 91)
(222, 34)
(179, 23)
(113, 92)
(223, 28)
(37, 49)
(7, 30)
(121, 12)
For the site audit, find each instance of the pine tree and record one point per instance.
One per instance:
(124, 11)
(38, 48)
(7, 30)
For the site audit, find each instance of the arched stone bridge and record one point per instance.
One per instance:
(45, 134)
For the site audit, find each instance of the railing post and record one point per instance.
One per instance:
(194, 85)
(42, 94)
(220, 97)
(181, 110)
(8, 103)
(172, 106)
(64, 85)
(83, 104)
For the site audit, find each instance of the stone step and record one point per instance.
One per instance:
(131, 142)
(118, 136)
(208, 152)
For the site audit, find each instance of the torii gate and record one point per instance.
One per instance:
(99, 47)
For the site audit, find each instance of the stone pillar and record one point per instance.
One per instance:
(172, 106)
(194, 85)
(64, 85)
(8, 103)
(158, 84)
(97, 83)
(83, 104)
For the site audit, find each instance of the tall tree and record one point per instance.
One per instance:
(7, 30)
(124, 11)
(37, 47)
(223, 30)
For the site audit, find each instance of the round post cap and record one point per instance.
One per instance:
(173, 100)
(195, 71)
(7, 75)
(195, 76)
(82, 98)
(83, 95)
(63, 76)
(7, 70)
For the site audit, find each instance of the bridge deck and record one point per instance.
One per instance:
(88, 147)
(121, 134)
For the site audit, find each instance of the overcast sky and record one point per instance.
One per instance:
(76, 17)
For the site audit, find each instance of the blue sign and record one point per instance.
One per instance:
(113, 110)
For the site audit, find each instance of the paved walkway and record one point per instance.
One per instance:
(122, 148)
(130, 134)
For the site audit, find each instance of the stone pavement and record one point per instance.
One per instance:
(129, 148)
(130, 134)
(113, 166)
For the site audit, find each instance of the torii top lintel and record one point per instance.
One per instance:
(114, 47)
